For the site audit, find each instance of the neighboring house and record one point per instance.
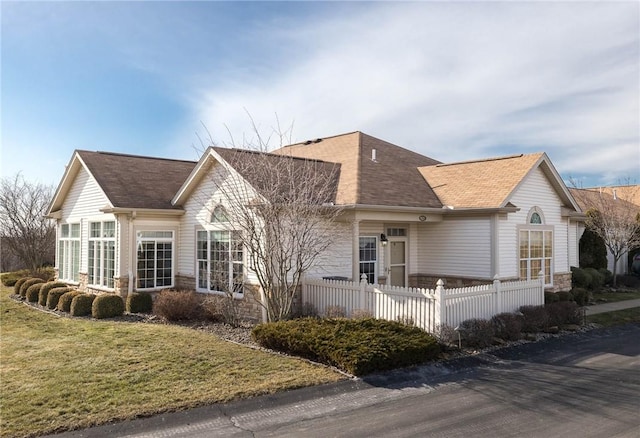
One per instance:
(623, 198)
(138, 223)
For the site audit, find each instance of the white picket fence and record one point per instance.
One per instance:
(426, 308)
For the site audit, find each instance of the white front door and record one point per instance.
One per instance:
(397, 263)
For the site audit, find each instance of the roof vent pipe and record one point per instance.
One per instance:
(373, 155)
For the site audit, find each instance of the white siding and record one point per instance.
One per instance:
(534, 191)
(455, 247)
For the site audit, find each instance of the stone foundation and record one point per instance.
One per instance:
(561, 281)
(427, 281)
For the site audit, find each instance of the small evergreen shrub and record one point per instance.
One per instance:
(18, 285)
(564, 296)
(33, 292)
(139, 302)
(44, 291)
(592, 251)
(507, 326)
(27, 284)
(597, 279)
(607, 275)
(9, 279)
(581, 296)
(564, 312)
(358, 346)
(54, 296)
(477, 333)
(535, 319)
(45, 274)
(81, 304)
(580, 278)
(107, 306)
(175, 305)
(64, 303)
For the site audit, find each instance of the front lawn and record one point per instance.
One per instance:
(62, 373)
(607, 296)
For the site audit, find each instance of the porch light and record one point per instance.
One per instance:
(383, 239)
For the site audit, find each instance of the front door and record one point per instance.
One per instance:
(397, 263)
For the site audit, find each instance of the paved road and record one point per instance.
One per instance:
(582, 385)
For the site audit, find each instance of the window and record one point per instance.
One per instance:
(369, 258)
(155, 259)
(396, 232)
(536, 254)
(69, 252)
(220, 261)
(219, 215)
(102, 252)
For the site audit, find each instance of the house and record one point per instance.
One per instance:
(128, 223)
(622, 203)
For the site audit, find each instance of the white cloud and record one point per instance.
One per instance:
(456, 80)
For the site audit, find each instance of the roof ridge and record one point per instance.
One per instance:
(271, 154)
(484, 160)
(119, 154)
(319, 139)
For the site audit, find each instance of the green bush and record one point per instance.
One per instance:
(81, 304)
(175, 305)
(139, 302)
(107, 306)
(27, 284)
(10, 278)
(535, 319)
(507, 326)
(477, 333)
(593, 252)
(64, 303)
(580, 278)
(564, 296)
(18, 285)
(607, 275)
(564, 312)
(32, 292)
(581, 296)
(359, 346)
(44, 291)
(551, 297)
(597, 279)
(54, 296)
(45, 274)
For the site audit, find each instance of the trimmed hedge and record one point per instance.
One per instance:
(175, 305)
(54, 296)
(33, 292)
(44, 291)
(64, 303)
(564, 296)
(18, 285)
(81, 304)
(564, 312)
(107, 306)
(27, 284)
(10, 278)
(581, 296)
(359, 346)
(139, 302)
(551, 297)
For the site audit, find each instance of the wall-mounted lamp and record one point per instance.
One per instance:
(383, 239)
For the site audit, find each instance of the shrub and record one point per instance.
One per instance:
(535, 318)
(564, 312)
(10, 278)
(64, 303)
(45, 274)
(446, 335)
(139, 302)
(18, 285)
(507, 326)
(361, 314)
(581, 296)
(335, 312)
(44, 291)
(107, 306)
(593, 252)
(54, 296)
(33, 291)
(358, 346)
(580, 278)
(175, 305)
(607, 275)
(551, 297)
(597, 279)
(477, 333)
(81, 304)
(564, 296)
(27, 284)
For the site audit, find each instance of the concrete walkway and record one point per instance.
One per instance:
(612, 307)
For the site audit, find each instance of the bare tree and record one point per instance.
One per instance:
(280, 208)
(615, 220)
(25, 231)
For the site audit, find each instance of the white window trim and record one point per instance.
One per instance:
(544, 228)
(375, 262)
(99, 268)
(207, 290)
(66, 253)
(156, 240)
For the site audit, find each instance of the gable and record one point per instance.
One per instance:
(84, 198)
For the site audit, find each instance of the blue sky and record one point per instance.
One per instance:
(453, 81)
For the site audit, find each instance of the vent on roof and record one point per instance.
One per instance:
(373, 155)
(318, 140)
(308, 142)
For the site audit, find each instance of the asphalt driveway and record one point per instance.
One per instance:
(580, 385)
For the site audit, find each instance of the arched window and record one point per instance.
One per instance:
(535, 245)
(535, 216)
(219, 214)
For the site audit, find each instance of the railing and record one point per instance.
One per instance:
(425, 308)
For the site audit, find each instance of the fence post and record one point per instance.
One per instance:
(541, 278)
(363, 290)
(496, 286)
(439, 315)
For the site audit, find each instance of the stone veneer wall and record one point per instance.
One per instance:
(561, 281)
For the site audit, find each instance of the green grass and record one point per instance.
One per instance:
(61, 373)
(618, 317)
(611, 297)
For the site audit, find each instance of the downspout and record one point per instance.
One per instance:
(132, 250)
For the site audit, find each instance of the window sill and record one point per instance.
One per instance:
(219, 294)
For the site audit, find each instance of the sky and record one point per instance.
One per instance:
(453, 81)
